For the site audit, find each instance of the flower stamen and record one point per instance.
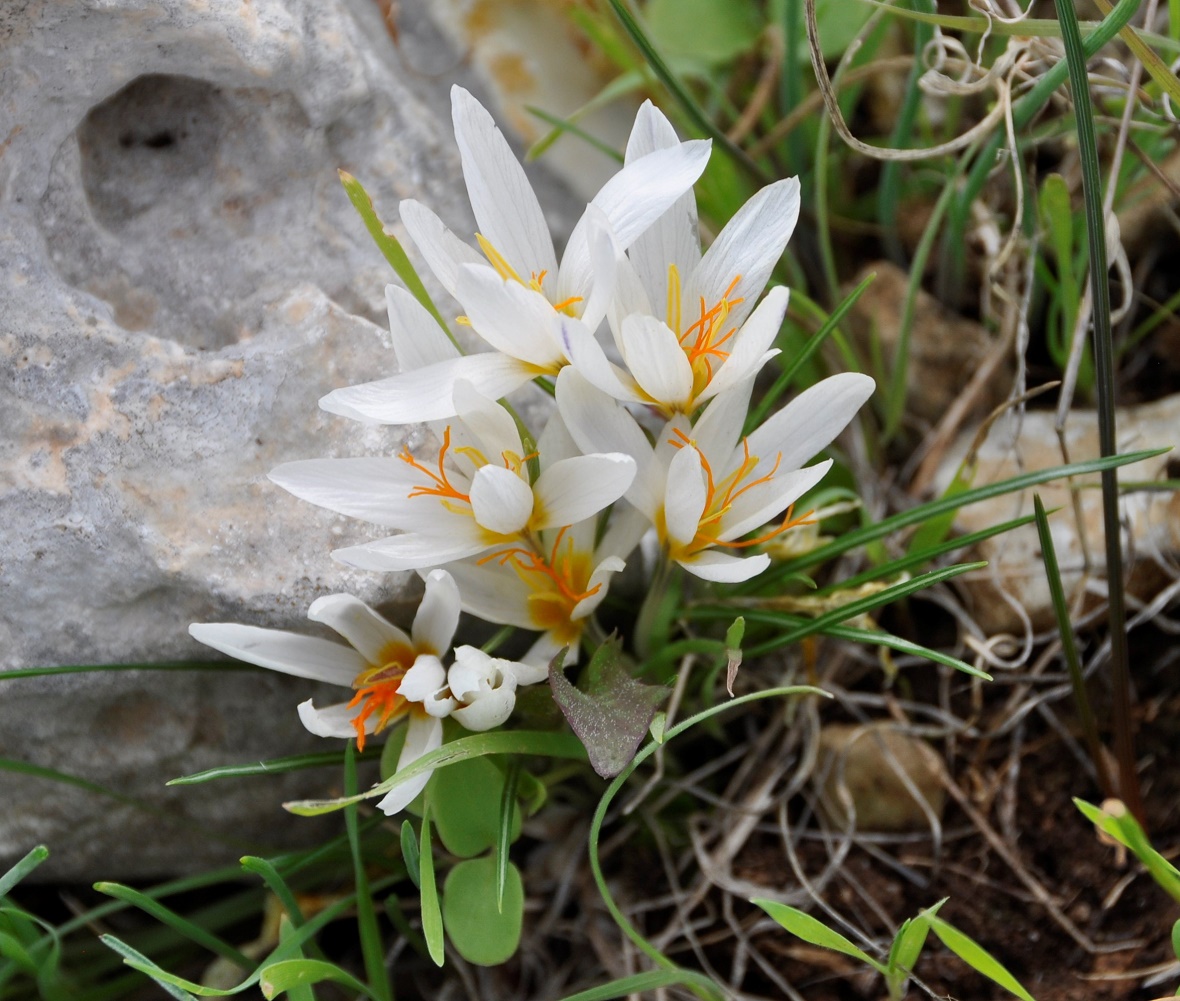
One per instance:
(443, 487)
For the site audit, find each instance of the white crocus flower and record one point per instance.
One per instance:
(551, 587)
(475, 494)
(686, 326)
(553, 582)
(704, 486)
(515, 294)
(393, 676)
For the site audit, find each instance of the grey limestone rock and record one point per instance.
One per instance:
(181, 278)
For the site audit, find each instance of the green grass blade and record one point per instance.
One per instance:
(410, 854)
(564, 125)
(616, 785)
(638, 983)
(976, 956)
(180, 665)
(1069, 648)
(1023, 112)
(761, 411)
(504, 833)
(681, 94)
(289, 974)
(904, 519)
(388, 244)
(814, 931)
(1075, 57)
(539, 742)
(1115, 821)
(275, 766)
(372, 948)
(22, 868)
(432, 923)
(277, 885)
(177, 923)
(146, 966)
(919, 555)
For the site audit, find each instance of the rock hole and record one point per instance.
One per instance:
(155, 139)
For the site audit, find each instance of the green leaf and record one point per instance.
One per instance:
(275, 766)
(709, 31)
(1117, 821)
(432, 922)
(917, 515)
(483, 933)
(22, 868)
(180, 924)
(612, 712)
(509, 816)
(277, 885)
(907, 947)
(814, 931)
(539, 742)
(372, 948)
(410, 853)
(164, 980)
(976, 956)
(388, 244)
(296, 992)
(465, 806)
(292, 973)
(1176, 939)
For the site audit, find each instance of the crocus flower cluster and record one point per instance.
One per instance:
(650, 348)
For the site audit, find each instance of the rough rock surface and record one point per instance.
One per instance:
(1013, 586)
(181, 277)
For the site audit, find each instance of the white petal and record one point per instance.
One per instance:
(423, 734)
(426, 394)
(718, 430)
(418, 340)
(574, 489)
(598, 424)
(750, 245)
(685, 497)
(539, 656)
(750, 350)
(512, 318)
(290, 653)
(674, 238)
(500, 500)
(812, 420)
(605, 255)
(632, 200)
(723, 568)
(630, 296)
(599, 583)
(438, 614)
(758, 506)
(333, 721)
(369, 633)
(489, 423)
(475, 671)
(416, 550)
(492, 592)
(586, 355)
(444, 252)
(425, 677)
(627, 526)
(658, 362)
(505, 207)
(487, 709)
(374, 489)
